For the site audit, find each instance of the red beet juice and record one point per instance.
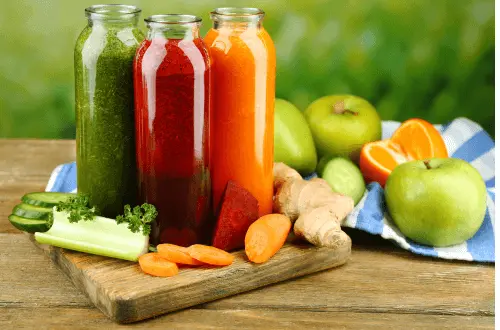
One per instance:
(172, 101)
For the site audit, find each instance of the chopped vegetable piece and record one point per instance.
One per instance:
(46, 199)
(177, 254)
(266, 236)
(312, 204)
(102, 236)
(239, 209)
(210, 255)
(34, 212)
(29, 225)
(153, 264)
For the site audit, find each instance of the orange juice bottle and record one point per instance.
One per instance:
(242, 116)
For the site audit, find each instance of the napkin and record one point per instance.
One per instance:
(466, 140)
(463, 138)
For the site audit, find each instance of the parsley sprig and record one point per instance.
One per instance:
(78, 208)
(140, 217)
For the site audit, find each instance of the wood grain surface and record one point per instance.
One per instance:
(381, 287)
(125, 294)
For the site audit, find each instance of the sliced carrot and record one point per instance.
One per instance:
(266, 236)
(153, 264)
(177, 254)
(259, 246)
(210, 255)
(280, 223)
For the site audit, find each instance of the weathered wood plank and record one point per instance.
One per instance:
(29, 279)
(34, 157)
(383, 281)
(125, 294)
(372, 281)
(78, 318)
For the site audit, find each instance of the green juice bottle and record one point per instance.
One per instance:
(105, 154)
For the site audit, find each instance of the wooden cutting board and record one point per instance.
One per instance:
(125, 294)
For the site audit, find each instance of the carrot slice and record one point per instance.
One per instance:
(153, 264)
(210, 255)
(259, 242)
(266, 236)
(177, 254)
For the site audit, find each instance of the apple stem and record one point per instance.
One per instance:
(339, 108)
(427, 164)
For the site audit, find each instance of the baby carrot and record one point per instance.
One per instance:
(266, 236)
(153, 264)
(210, 255)
(177, 254)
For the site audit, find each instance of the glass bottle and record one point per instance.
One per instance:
(242, 118)
(105, 155)
(172, 98)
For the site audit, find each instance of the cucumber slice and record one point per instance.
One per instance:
(32, 212)
(29, 225)
(45, 199)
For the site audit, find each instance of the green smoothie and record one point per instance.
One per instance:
(104, 53)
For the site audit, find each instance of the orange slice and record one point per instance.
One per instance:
(414, 139)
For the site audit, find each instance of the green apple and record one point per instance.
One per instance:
(342, 124)
(343, 176)
(439, 202)
(293, 142)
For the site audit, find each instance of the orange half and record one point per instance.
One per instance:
(414, 139)
(418, 139)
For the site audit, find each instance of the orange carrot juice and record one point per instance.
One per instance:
(242, 117)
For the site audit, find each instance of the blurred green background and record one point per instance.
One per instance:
(432, 59)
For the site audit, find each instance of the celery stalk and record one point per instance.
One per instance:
(102, 236)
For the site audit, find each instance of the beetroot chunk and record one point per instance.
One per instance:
(238, 210)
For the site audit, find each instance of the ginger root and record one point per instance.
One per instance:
(283, 173)
(315, 208)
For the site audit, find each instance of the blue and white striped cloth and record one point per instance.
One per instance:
(464, 139)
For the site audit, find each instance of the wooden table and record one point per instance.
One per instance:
(381, 287)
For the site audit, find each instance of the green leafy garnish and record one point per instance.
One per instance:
(138, 218)
(78, 208)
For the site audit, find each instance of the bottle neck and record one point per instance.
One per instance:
(173, 31)
(237, 26)
(237, 19)
(114, 23)
(113, 16)
(173, 26)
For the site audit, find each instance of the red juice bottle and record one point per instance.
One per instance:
(172, 104)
